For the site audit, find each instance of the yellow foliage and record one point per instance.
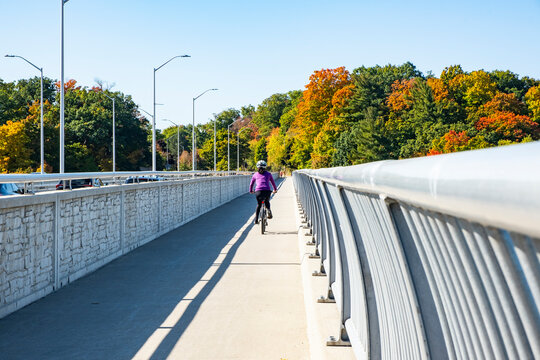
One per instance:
(532, 98)
(276, 148)
(438, 88)
(475, 88)
(14, 153)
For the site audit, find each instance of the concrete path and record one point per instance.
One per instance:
(213, 289)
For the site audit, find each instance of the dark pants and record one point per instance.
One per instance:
(262, 195)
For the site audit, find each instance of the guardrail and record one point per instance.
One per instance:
(434, 257)
(31, 183)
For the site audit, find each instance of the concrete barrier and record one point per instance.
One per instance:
(51, 239)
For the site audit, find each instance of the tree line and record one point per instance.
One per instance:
(394, 112)
(341, 118)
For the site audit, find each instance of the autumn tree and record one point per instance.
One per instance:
(367, 113)
(276, 148)
(14, 152)
(314, 110)
(532, 98)
(323, 145)
(269, 112)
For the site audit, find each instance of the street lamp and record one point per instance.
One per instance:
(194, 142)
(229, 147)
(154, 117)
(238, 148)
(62, 90)
(177, 143)
(215, 122)
(41, 111)
(146, 112)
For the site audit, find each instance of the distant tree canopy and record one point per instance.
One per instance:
(341, 118)
(88, 128)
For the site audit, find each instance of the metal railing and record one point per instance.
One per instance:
(32, 183)
(434, 257)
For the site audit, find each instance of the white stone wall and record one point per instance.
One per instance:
(26, 252)
(50, 239)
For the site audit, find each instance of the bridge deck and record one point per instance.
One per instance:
(214, 288)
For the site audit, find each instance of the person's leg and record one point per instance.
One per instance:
(267, 194)
(260, 198)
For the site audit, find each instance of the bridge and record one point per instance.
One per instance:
(433, 257)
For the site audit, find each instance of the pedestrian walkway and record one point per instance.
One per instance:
(214, 288)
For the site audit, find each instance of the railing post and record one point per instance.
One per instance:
(122, 221)
(56, 247)
(159, 206)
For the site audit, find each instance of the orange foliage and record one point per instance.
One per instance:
(340, 99)
(432, 152)
(438, 88)
(504, 103)
(68, 85)
(453, 141)
(315, 109)
(317, 98)
(400, 99)
(509, 125)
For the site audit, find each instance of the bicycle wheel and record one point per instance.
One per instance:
(263, 219)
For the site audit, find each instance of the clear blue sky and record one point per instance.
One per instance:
(253, 49)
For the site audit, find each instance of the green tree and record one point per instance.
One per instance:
(79, 158)
(259, 150)
(269, 113)
(290, 111)
(88, 115)
(367, 113)
(509, 82)
(16, 98)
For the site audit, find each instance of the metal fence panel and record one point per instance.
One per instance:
(432, 257)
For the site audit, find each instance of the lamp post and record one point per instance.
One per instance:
(154, 104)
(238, 149)
(229, 147)
(62, 90)
(42, 161)
(215, 121)
(177, 144)
(146, 112)
(194, 142)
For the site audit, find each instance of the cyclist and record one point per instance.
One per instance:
(262, 179)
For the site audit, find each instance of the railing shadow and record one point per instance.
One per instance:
(113, 312)
(168, 343)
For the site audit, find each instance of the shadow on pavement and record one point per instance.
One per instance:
(111, 313)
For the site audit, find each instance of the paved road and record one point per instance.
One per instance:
(212, 289)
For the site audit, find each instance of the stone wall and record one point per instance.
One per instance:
(51, 239)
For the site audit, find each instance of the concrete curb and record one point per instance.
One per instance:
(322, 319)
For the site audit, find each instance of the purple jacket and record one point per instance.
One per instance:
(263, 181)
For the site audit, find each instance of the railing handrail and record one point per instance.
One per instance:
(30, 178)
(497, 186)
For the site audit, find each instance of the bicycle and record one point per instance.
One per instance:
(263, 217)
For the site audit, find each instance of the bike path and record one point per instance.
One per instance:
(214, 288)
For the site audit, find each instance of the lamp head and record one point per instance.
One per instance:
(10, 56)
